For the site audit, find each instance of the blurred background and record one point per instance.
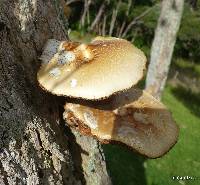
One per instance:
(168, 32)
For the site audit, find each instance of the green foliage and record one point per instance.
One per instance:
(188, 40)
(81, 36)
(190, 27)
(188, 68)
(150, 21)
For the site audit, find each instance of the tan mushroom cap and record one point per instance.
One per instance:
(90, 71)
(133, 118)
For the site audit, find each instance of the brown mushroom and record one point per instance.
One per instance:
(96, 71)
(133, 118)
(90, 71)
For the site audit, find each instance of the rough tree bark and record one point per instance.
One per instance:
(163, 45)
(35, 145)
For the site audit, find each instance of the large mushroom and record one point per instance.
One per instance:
(90, 71)
(107, 69)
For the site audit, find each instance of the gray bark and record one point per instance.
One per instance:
(163, 45)
(36, 147)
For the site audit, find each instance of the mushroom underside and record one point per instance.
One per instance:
(133, 118)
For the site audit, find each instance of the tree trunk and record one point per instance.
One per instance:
(36, 147)
(163, 45)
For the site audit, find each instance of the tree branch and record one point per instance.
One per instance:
(136, 19)
(98, 17)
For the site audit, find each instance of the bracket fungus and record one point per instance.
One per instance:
(106, 70)
(90, 71)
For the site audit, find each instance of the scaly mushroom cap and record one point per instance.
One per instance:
(133, 118)
(90, 71)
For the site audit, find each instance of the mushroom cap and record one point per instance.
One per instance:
(90, 71)
(134, 118)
